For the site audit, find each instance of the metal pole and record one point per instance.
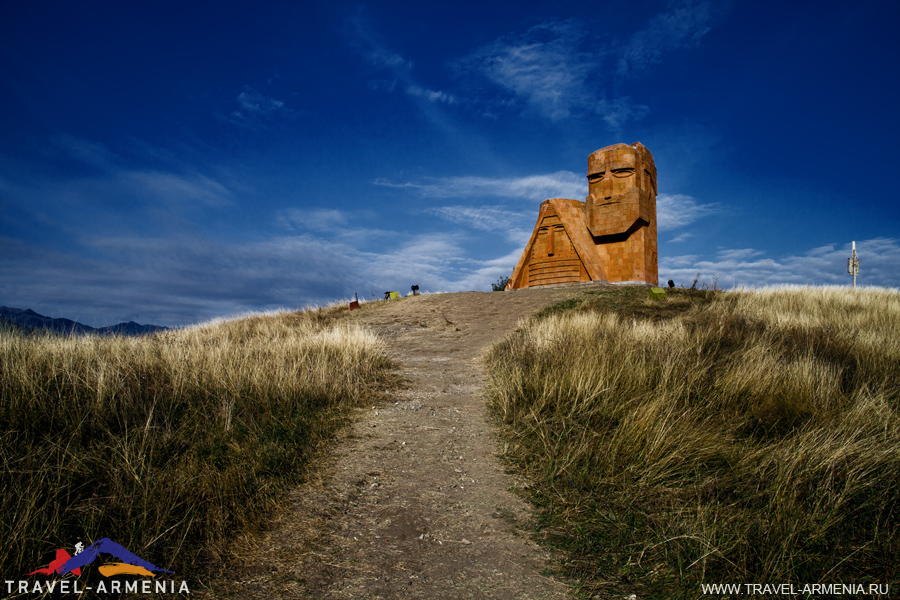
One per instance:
(853, 265)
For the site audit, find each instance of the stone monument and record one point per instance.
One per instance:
(610, 237)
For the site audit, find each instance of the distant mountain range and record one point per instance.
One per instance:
(27, 320)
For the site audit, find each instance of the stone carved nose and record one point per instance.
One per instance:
(606, 185)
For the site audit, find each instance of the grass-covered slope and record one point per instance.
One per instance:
(738, 437)
(171, 444)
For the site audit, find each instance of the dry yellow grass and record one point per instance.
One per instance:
(171, 444)
(725, 437)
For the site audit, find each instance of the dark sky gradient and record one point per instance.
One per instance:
(170, 162)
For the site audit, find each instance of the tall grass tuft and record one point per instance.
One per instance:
(171, 444)
(751, 437)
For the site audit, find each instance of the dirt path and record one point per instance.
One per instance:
(413, 503)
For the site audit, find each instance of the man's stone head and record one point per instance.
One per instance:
(621, 189)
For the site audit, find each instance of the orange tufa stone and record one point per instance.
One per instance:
(610, 237)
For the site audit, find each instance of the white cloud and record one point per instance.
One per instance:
(489, 271)
(879, 265)
(366, 40)
(380, 55)
(619, 110)
(681, 237)
(485, 218)
(252, 101)
(430, 95)
(312, 219)
(541, 66)
(740, 254)
(560, 69)
(168, 187)
(561, 184)
(112, 195)
(492, 219)
(83, 150)
(179, 280)
(678, 210)
(256, 109)
(673, 210)
(555, 69)
(184, 279)
(681, 26)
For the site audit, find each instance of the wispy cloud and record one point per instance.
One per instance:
(256, 110)
(681, 26)
(681, 237)
(312, 219)
(373, 48)
(182, 280)
(561, 184)
(511, 224)
(377, 52)
(489, 271)
(824, 265)
(738, 254)
(559, 69)
(84, 151)
(110, 175)
(619, 110)
(252, 101)
(674, 211)
(101, 189)
(166, 188)
(430, 95)
(485, 218)
(336, 226)
(541, 66)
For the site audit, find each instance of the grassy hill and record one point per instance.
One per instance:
(172, 444)
(725, 437)
(713, 437)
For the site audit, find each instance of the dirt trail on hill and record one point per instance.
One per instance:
(412, 502)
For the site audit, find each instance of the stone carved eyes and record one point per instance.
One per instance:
(550, 232)
(620, 173)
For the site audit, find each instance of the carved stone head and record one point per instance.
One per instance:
(621, 190)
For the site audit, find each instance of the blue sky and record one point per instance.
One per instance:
(170, 162)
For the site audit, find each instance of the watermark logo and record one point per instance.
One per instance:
(805, 590)
(131, 564)
(124, 562)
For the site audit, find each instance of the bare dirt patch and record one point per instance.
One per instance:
(412, 502)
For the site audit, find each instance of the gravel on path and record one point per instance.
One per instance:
(412, 501)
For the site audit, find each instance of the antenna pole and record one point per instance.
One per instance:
(853, 265)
